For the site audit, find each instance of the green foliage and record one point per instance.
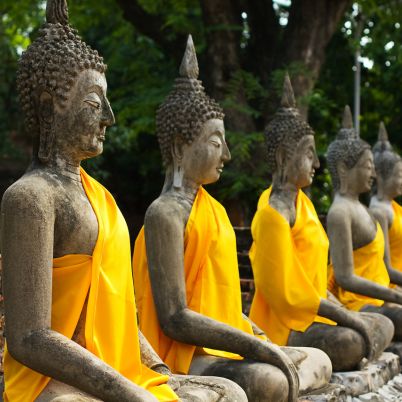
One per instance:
(141, 73)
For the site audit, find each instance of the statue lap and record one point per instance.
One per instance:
(188, 388)
(332, 339)
(390, 310)
(261, 379)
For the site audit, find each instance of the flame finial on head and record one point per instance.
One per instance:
(57, 12)
(347, 131)
(189, 64)
(382, 133)
(288, 97)
(347, 120)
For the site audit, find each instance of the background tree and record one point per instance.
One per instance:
(244, 47)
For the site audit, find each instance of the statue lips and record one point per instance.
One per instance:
(220, 169)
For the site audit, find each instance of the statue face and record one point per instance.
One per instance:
(204, 158)
(301, 166)
(393, 183)
(360, 177)
(80, 127)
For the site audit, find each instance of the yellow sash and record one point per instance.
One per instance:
(368, 262)
(111, 331)
(211, 275)
(290, 269)
(395, 237)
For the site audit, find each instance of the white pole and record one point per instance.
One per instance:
(357, 80)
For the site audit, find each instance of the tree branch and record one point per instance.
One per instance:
(153, 27)
(264, 38)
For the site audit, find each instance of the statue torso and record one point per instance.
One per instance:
(363, 224)
(75, 224)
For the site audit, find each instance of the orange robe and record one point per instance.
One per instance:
(395, 237)
(111, 331)
(211, 278)
(290, 269)
(368, 262)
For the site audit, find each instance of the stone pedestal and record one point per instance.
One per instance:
(330, 393)
(396, 348)
(379, 381)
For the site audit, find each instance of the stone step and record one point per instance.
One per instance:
(371, 379)
(330, 393)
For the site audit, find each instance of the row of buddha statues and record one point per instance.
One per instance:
(71, 303)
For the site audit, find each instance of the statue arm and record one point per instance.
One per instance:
(349, 319)
(340, 237)
(256, 329)
(150, 358)
(394, 275)
(27, 244)
(164, 235)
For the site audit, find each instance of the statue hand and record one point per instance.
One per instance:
(363, 328)
(174, 382)
(281, 360)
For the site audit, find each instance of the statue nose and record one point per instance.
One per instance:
(107, 114)
(226, 156)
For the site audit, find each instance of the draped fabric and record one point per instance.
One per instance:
(395, 237)
(290, 268)
(111, 331)
(211, 279)
(368, 262)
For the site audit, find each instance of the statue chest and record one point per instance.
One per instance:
(364, 227)
(76, 225)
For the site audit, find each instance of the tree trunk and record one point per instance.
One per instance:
(310, 28)
(223, 26)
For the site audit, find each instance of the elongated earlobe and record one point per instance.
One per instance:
(46, 117)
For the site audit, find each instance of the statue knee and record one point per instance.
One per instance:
(382, 327)
(347, 350)
(267, 384)
(231, 392)
(314, 371)
(73, 398)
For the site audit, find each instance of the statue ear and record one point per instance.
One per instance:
(280, 157)
(342, 169)
(177, 148)
(46, 118)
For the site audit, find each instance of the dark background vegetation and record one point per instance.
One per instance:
(244, 48)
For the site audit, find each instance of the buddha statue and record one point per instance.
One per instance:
(388, 166)
(359, 273)
(72, 332)
(289, 255)
(185, 262)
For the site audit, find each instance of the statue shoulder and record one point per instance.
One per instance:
(31, 193)
(166, 210)
(339, 215)
(281, 206)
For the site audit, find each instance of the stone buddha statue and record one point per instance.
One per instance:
(185, 262)
(289, 255)
(359, 271)
(70, 312)
(388, 166)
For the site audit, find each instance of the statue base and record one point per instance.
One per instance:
(378, 381)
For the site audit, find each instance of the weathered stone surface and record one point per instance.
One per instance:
(396, 348)
(370, 379)
(330, 393)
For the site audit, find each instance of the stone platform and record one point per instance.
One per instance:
(380, 381)
(330, 393)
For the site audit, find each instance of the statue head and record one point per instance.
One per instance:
(345, 152)
(290, 143)
(388, 165)
(186, 116)
(49, 74)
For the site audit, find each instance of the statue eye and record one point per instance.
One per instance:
(93, 103)
(93, 100)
